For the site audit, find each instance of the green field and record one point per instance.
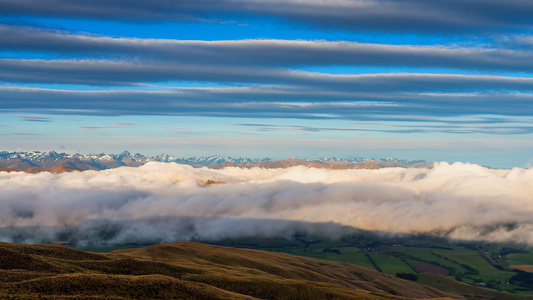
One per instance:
(473, 267)
(519, 259)
(426, 255)
(452, 286)
(474, 259)
(390, 264)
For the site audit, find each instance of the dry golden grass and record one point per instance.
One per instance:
(189, 271)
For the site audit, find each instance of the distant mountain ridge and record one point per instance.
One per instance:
(36, 161)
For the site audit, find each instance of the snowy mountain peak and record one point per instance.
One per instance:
(20, 160)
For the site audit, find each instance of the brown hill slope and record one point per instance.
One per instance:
(34, 170)
(189, 271)
(18, 163)
(258, 273)
(469, 291)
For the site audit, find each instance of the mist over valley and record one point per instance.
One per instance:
(168, 202)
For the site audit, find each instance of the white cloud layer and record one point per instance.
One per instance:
(162, 202)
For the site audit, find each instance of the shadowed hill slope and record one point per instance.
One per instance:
(469, 291)
(189, 271)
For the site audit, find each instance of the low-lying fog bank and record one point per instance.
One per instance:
(460, 201)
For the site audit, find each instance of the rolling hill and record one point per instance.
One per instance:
(190, 271)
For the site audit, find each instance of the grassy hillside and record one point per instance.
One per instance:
(484, 265)
(190, 271)
(469, 291)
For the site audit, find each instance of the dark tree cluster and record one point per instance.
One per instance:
(523, 279)
(336, 251)
(407, 276)
(507, 250)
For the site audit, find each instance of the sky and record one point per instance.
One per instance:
(441, 80)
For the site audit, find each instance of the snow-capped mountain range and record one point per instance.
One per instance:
(47, 160)
(22, 160)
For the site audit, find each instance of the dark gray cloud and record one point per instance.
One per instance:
(91, 128)
(470, 121)
(518, 41)
(272, 127)
(399, 128)
(35, 119)
(29, 133)
(267, 102)
(125, 124)
(103, 72)
(455, 130)
(383, 15)
(209, 132)
(280, 53)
